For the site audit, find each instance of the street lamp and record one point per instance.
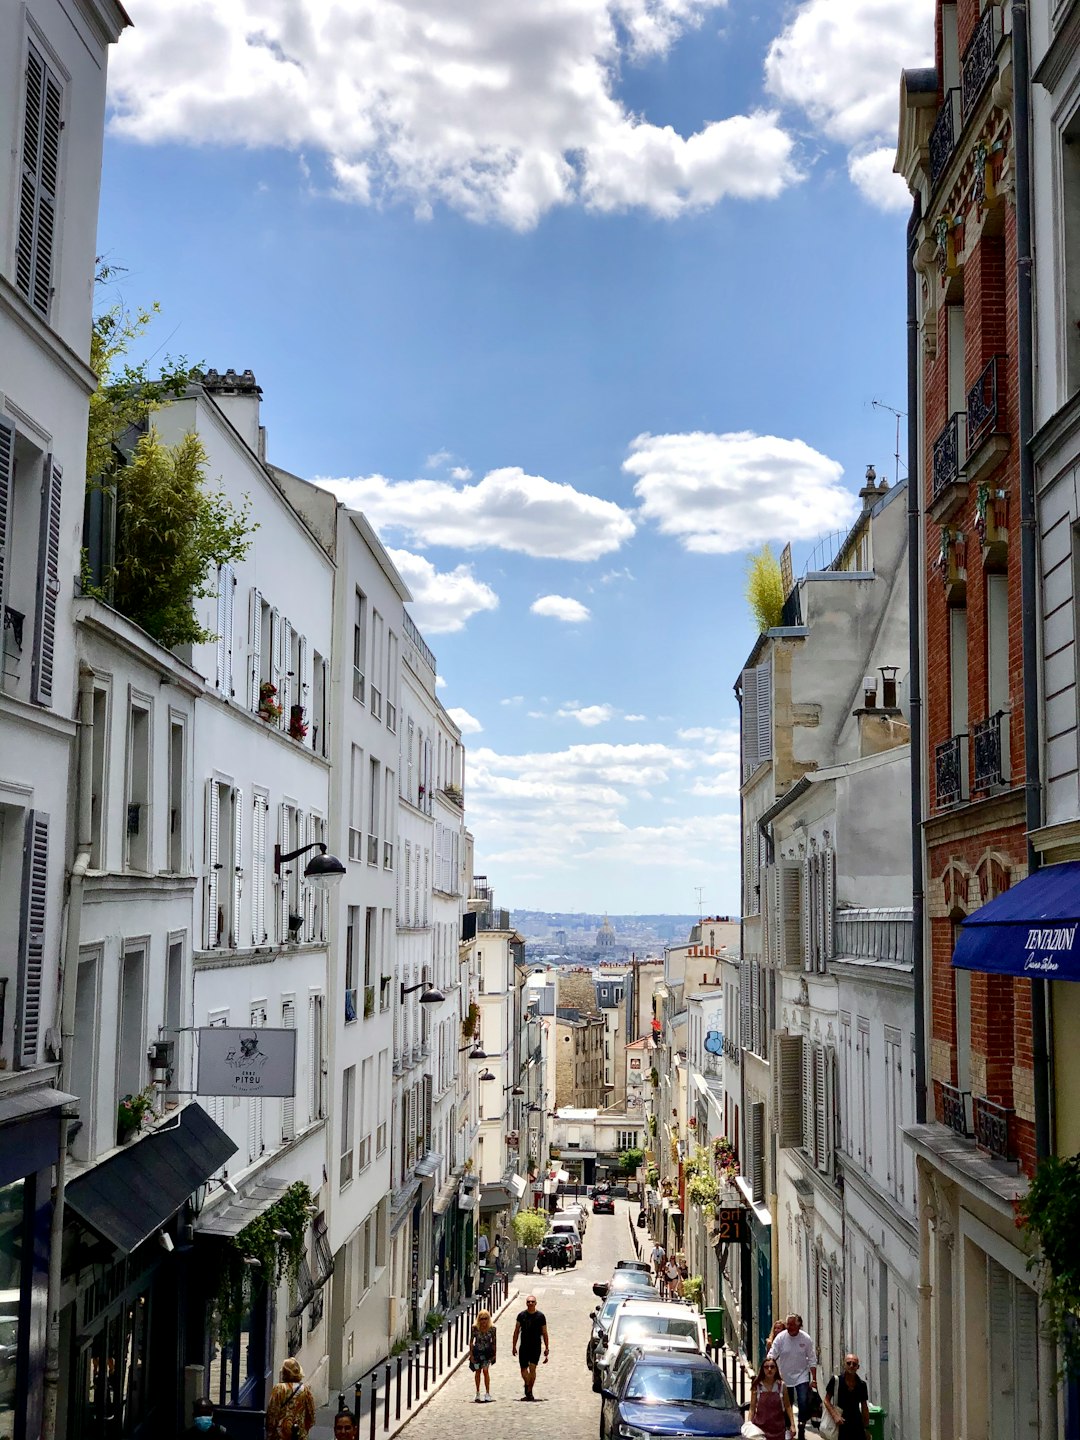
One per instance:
(476, 1051)
(430, 996)
(514, 1089)
(486, 1074)
(322, 870)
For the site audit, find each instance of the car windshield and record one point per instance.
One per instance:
(609, 1308)
(645, 1327)
(656, 1383)
(630, 1280)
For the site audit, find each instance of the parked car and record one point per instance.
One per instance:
(603, 1205)
(577, 1212)
(556, 1252)
(639, 1318)
(664, 1392)
(567, 1227)
(601, 1318)
(623, 1281)
(634, 1265)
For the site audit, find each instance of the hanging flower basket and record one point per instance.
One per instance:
(297, 724)
(270, 707)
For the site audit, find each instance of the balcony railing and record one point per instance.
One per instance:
(983, 403)
(990, 740)
(977, 65)
(950, 770)
(944, 135)
(412, 634)
(992, 1128)
(954, 1109)
(881, 935)
(950, 452)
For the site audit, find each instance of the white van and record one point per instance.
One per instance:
(575, 1213)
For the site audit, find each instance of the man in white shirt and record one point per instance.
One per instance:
(659, 1255)
(794, 1353)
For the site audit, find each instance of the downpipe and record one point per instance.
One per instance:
(69, 976)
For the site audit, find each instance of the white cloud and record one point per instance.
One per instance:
(440, 457)
(466, 723)
(507, 510)
(588, 715)
(440, 683)
(499, 111)
(460, 472)
(873, 174)
(840, 62)
(722, 493)
(512, 700)
(443, 600)
(635, 719)
(560, 607)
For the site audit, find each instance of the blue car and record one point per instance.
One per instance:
(659, 1393)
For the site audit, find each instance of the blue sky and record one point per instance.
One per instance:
(580, 301)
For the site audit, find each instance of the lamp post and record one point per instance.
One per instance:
(322, 870)
(431, 996)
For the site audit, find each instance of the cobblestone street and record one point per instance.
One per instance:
(565, 1404)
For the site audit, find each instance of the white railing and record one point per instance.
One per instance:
(880, 935)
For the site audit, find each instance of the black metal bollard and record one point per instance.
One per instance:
(408, 1379)
(372, 1410)
(427, 1347)
(386, 1398)
(397, 1391)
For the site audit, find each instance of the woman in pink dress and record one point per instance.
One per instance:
(770, 1408)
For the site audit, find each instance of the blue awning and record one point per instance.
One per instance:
(1031, 931)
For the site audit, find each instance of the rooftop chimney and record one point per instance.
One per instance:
(238, 397)
(869, 492)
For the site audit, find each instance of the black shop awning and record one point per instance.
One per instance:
(125, 1199)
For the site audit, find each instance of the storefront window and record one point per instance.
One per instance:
(12, 1205)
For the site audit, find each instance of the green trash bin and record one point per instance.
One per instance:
(714, 1325)
(877, 1422)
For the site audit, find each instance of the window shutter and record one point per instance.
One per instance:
(788, 1089)
(32, 913)
(275, 656)
(828, 901)
(226, 588)
(757, 1151)
(807, 914)
(258, 870)
(237, 864)
(254, 648)
(288, 1104)
(286, 689)
(38, 179)
(48, 585)
(808, 1096)
(213, 866)
(764, 712)
(283, 878)
(755, 1007)
(301, 688)
(821, 1102)
(789, 881)
(749, 722)
(307, 890)
(7, 468)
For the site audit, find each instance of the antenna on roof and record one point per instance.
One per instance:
(699, 889)
(900, 415)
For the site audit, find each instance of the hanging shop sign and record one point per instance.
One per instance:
(257, 1061)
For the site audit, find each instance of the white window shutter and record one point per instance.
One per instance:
(254, 648)
(749, 722)
(807, 914)
(275, 655)
(48, 585)
(237, 865)
(763, 712)
(313, 1057)
(283, 878)
(808, 1097)
(307, 890)
(828, 902)
(213, 866)
(288, 1104)
(821, 1103)
(258, 870)
(7, 469)
(221, 646)
(38, 182)
(301, 686)
(286, 684)
(32, 915)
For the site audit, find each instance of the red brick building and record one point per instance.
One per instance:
(978, 1341)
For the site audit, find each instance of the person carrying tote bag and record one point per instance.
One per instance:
(847, 1404)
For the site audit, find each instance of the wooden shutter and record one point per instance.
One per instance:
(237, 864)
(48, 585)
(808, 1096)
(32, 915)
(7, 473)
(757, 1151)
(300, 682)
(38, 181)
(286, 691)
(764, 712)
(822, 1099)
(307, 890)
(226, 585)
(258, 870)
(790, 907)
(256, 1105)
(788, 1089)
(255, 604)
(213, 866)
(749, 722)
(828, 902)
(283, 877)
(288, 1104)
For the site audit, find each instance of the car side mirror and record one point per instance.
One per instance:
(595, 1312)
(600, 1288)
(607, 1394)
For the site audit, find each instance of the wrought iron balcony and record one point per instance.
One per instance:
(982, 403)
(992, 1128)
(944, 135)
(950, 451)
(950, 771)
(977, 65)
(954, 1109)
(990, 739)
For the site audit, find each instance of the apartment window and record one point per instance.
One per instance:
(371, 947)
(290, 916)
(391, 796)
(409, 745)
(260, 867)
(818, 1103)
(997, 643)
(39, 181)
(377, 633)
(360, 647)
(958, 670)
(288, 1104)
(348, 1125)
(131, 1024)
(374, 797)
(962, 1000)
(137, 841)
(894, 1114)
(367, 1080)
(757, 1151)
(174, 997)
(864, 1150)
(99, 781)
(627, 1140)
(224, 837)
(260, 649)
(256, 1105)
(317, 1055)
(383, 1101)
(955, 369)
(351, 930)
(385, 978)
(392, 682)
(177, 787)
(1012, 1358)
(319, 675)
(356, 805)
(225, 587)
(845, 1083)
(84, 1043)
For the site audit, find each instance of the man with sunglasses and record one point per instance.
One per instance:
(848, 1401)
(531, 1330)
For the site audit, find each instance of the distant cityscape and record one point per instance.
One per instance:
(592, 937)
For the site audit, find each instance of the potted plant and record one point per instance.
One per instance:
(530, 1227)
(297, 724)
(692, 1290)
(468, 1025)
(270, 707)
(130, 1112)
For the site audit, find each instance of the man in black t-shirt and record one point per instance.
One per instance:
(530, 1331)
(847, 1398)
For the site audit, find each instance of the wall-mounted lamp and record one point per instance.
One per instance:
(160, 1054)
(431, 996)
(166, 1242)
(514, 1089)
(476, 1051)
(201, 1192)
(485, 1075)
(322, 870)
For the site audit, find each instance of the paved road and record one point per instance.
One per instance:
(565, 1406)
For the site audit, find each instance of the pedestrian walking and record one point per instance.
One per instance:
(345, 1427)
(794, 1353)
(672, 1283)
(531, 1330)
(482, 1347)
(659, 1255)
(770, 1407)
(202, 1421)
(847, 1400)
(290, 1414)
